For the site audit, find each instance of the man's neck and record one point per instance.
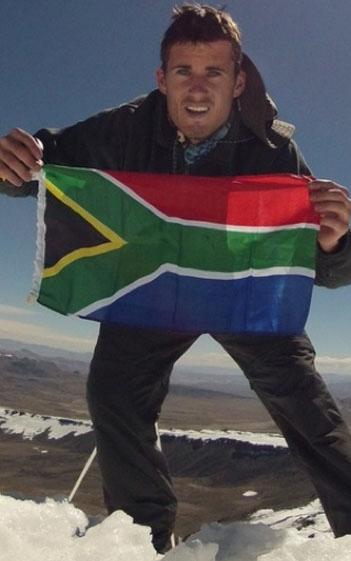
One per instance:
(221, 131)
(200, 149)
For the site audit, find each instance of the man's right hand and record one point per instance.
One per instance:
(21, 155)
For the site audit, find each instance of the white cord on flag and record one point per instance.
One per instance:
(82, 475)
(40, 242)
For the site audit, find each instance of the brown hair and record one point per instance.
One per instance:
(201, 23)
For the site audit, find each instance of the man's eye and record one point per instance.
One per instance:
(183, 71)
(213, 73)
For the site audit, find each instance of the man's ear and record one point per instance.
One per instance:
(240, 83)
(161, 81)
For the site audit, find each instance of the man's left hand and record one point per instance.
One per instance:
(331, 201)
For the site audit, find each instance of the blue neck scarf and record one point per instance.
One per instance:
(193, 152)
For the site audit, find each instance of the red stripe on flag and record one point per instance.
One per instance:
(261, 200)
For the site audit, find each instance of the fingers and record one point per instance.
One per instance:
(331, 201)
(326, 190)
(328, 197)
(325, 185)
(332, 226)
(330, 233)
(20, 155)
(33, 144)
(335, 206)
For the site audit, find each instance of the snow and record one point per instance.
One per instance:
(30, 425)
(256, 438)
(57, 531)
(40, 450)
(54, 531)
(250, 493)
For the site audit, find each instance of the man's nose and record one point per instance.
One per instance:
(198, 84)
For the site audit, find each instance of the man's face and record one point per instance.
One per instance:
(200, 84)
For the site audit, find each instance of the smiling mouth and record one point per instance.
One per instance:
(197, 109)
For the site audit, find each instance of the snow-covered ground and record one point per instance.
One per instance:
(54, 531)
(57, 531)
(29, 425)
(266, 439)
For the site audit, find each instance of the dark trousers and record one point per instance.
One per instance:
(129, 380)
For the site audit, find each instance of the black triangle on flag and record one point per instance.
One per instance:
(68, 231)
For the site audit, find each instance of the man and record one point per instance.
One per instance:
(210, 116)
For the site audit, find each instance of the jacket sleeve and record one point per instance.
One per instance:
(97, 142)
(334, 269)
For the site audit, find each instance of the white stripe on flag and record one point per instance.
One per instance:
(195, 273)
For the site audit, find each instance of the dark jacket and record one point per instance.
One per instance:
(138, 136)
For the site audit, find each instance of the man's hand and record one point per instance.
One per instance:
(20, 156)
(331, 201)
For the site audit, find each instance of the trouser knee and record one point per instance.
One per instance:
(286, 368)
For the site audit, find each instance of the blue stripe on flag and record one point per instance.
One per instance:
(273, 304)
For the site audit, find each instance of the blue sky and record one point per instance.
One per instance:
(63, 61)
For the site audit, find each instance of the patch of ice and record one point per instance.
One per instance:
(257, 438)
(30, 425)
(53, 531)
(250, 494)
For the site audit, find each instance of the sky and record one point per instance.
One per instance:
(64, 61)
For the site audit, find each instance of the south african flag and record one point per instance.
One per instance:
(199, 254)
